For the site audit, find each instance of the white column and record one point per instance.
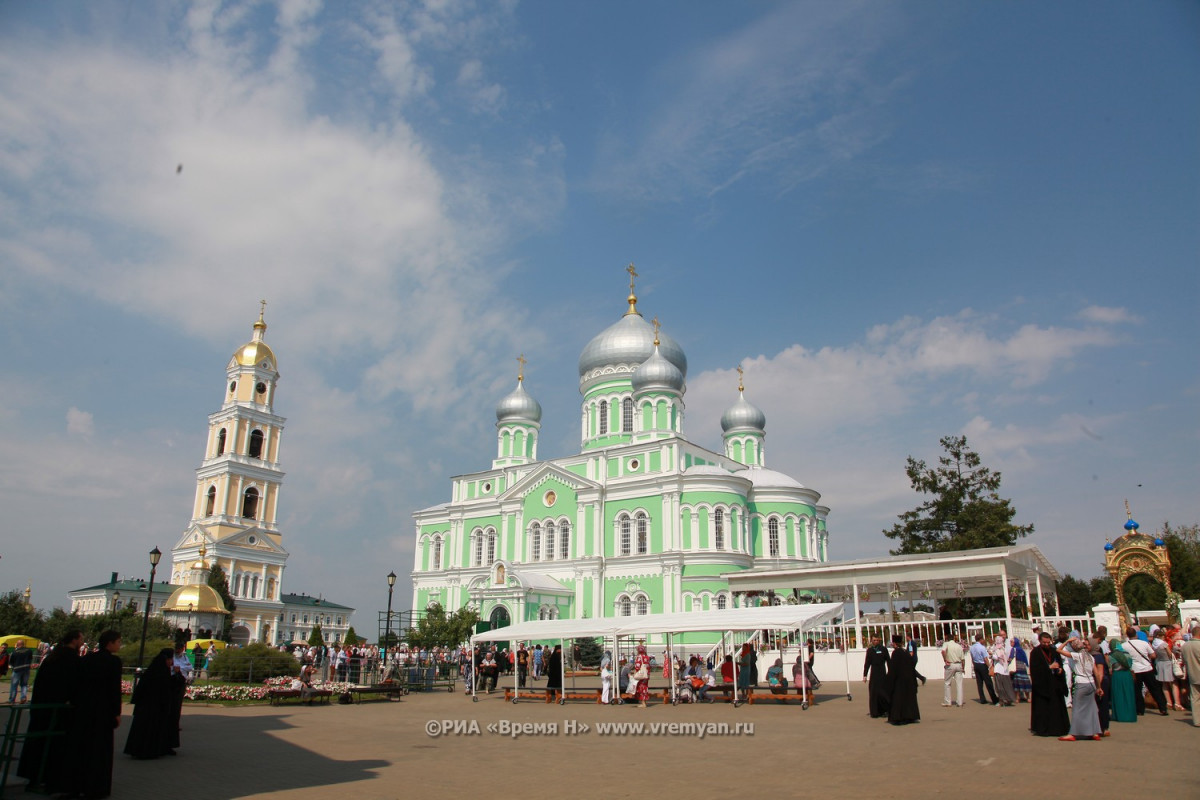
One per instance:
(1007, 605)
(1041, 601)
(858, 640)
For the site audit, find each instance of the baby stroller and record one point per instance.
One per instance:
(683, 692)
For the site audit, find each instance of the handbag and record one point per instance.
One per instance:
(642, 673)
(1176, 668)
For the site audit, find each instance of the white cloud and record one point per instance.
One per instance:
(1107, 315)
(80, 422)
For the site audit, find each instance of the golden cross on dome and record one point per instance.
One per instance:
(657, 326)
(521, 362)
(632, 274)
(1128, 513)
(741, 388)
(632, 299)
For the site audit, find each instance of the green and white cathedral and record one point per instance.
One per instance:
(641, 521)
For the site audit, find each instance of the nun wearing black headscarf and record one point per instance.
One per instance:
(153, 702)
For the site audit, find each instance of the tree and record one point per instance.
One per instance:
(437, 629)
(351, 637)
(963, 511)
(16, 617)
(220, 582)
(590, 651)
(316, 639)
(1074, 597)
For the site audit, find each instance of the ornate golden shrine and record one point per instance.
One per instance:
(1132, 554)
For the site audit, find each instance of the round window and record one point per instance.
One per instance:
(634, 463)
(252, 539)
(261, 388)
(487, 487)
(548, 498)
(232, 386)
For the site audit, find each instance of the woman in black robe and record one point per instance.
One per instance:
(97, 715)
(902, 685)
(554, 674)
(1048, 714)
(876, 665)
(150, 734)
(43, 759)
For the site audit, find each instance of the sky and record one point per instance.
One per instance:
(903, 220)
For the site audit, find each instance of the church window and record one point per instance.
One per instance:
(491, 543)
(250, 504)
(254, 586)
(211, 502)
(478, 537)
(626, 607)
(623, 522)
(535, 536)
(641, 533)
(437, 553)
(564, 540)
(221, 441)
(773, 537)
(603, 417)
(627, 415)
(256, 444)
(232, 386)
(719, 528)
(643, 606)
(721, 602)
(293, 619)
(549, 541)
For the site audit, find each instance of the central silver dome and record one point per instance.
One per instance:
(629, 341)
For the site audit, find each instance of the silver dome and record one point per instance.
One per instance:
(657, 373)
(742, 415)
(629, 341)
(519, 406)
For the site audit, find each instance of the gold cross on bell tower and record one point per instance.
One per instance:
(521, 362)
(632, 297)
(741, 387)
(657, 327)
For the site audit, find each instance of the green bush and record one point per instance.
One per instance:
(129, 651)
(254, 662)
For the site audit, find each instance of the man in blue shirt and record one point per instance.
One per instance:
(19, 661)
(980, 662)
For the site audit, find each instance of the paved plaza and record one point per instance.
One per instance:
(382, 750)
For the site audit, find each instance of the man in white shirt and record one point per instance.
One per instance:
(980, 664)
(954, 658)
(1142, 655)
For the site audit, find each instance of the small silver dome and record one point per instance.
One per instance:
(656, 373)
(742, 415)
(629, 341)
(519, 406)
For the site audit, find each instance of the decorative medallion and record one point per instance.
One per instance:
(548, 498)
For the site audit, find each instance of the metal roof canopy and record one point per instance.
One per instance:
(981, 573)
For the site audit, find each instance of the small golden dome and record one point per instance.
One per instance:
(196, 598)
(256, 351)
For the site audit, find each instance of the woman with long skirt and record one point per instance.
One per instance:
(1022, 686)
(606, 678)
(150, 734)
(1001, 679)
(1103, 697)
(1122, 705)
(1085, 677)
(641, 665)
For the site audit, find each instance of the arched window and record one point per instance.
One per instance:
(564, 540)
(535, 536)
(256, 444)
(221, 442)
(250, 504)
(254, 586)
(719, 528)
(549, 541)
(477, 558)
(643, 606)
(627, 415)
(603, 417)
(211, 503)
(623, 523)
(773, 537)
(641, 533)
(491, 543)
(626, 607)
(437, 553)
(721, 602)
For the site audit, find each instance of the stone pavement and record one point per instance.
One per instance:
(381, 749)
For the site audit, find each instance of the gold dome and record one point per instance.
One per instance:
(256, 351)
(202, 598)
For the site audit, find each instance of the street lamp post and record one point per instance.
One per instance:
(116, 606)
(155, 555)
(387, 637)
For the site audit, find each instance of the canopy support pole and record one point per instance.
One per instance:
(858, 640)
(1037, 576)
(1007, 604)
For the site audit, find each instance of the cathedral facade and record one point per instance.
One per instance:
(640, 521)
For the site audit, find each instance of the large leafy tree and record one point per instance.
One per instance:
(439, 629)
(16, 617)
(219, 581)
(962, 511)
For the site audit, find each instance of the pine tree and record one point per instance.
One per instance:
(963, 511)
(316, 639)
(220, 583)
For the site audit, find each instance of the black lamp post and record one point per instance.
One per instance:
(116, 606)
(155, 555)
(387, 638)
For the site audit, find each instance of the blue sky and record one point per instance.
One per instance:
(905, 220)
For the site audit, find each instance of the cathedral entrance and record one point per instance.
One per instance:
(240, 636)
(499, 618)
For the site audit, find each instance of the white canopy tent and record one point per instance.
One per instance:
(785, 617)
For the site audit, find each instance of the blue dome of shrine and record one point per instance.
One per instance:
(1159, 543)
(1108, 546)
(1131, 525)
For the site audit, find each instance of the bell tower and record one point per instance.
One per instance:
(236, 502)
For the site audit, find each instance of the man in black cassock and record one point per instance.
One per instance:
(876, 666)
(902, 685)
(44, 760)
(1048, 714)
(98, 714)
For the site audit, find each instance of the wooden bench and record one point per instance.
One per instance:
(277, 696)
(758, 696)
(390, 691)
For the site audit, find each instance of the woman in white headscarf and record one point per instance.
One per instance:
(1086, 678)
(606, 678)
